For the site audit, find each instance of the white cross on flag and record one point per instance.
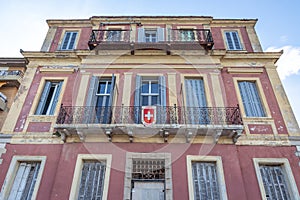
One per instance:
(148, 115)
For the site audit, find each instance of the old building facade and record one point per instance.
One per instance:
(150, 107)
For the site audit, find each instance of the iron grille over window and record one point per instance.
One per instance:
(148, 169)
(205, 181)
(92, 180)
(274, 182)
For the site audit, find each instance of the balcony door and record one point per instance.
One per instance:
(151, 35)
(100, 98)
(196, 105)
(150, 91)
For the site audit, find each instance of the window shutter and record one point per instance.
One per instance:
(236, 40)
(274, 182)
(43, 98)
(137, 99)
(162, 109)
(229, 41)
(111, 92)
(160, 34)
(24, 181)
(162, 91)
(251, 100)
(55, 99)
(205, 181)
(92, 180)
(66, 40)
(141, 35)
(91, 96)
(72, 41)
(195, 93)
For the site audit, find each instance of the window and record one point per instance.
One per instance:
(274, 182)
(148, 176)
(206, 178)
(3, 101)
(151, 35)
(275, 179)
(92, 180)
(150, 91)
(69, 40)
(23, 177)
(187, 35)
(99, 100)
(49, 98)
(233, 41)
(251, 99)
(91, 177)
(113, 36)
(197, 111)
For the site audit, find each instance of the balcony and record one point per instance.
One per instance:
(176, 39)
(11, 77)
(117, 39)
(190, 121)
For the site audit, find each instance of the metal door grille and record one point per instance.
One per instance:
(148, 169)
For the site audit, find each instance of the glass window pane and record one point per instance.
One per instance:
(154, 87)
(145, 87)
(101, 88)
(154, 100)
(145, 101)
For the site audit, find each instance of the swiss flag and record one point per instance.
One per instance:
(148, 115)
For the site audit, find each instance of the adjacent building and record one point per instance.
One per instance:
(150, 107)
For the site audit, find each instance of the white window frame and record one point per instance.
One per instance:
(68, 47)
(152, 36)
(290, 180)
(12, 170)
(56, 93)
(149, 81)
(77, 173)
(233, 41)
(220, 174)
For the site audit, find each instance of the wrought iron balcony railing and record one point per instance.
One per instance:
(164, 115)
(108, 36)
(174, 37)
(5, 73)
(203, 36)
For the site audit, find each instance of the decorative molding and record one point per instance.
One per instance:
(244, 70)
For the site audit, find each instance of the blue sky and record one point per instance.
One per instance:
(23, 24)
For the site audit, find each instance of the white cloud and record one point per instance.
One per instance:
(289, 62)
